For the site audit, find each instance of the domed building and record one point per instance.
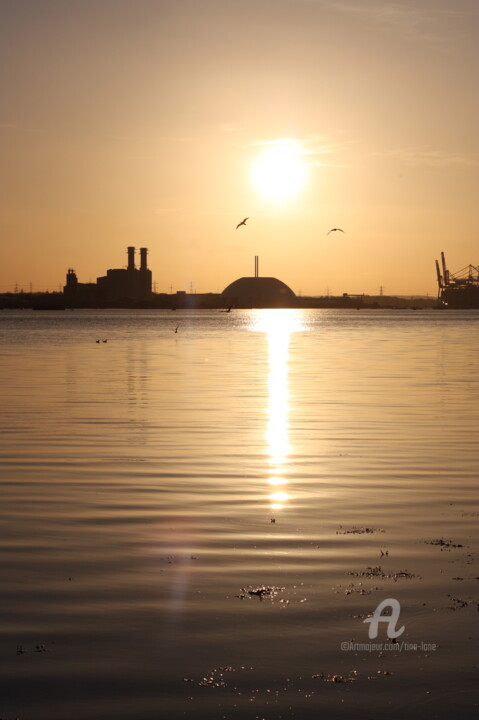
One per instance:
(259, 292)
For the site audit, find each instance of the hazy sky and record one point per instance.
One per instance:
(139, 122)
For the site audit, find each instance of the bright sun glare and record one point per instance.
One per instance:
(279, 173)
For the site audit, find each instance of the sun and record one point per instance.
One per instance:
(279, 173)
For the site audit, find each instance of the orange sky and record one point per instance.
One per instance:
(138, 122)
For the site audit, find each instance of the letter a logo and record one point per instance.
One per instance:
(391, 620)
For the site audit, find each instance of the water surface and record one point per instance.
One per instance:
(148, 482)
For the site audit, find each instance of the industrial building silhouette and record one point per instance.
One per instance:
(258, 292)
(122, 287)
(132, 287)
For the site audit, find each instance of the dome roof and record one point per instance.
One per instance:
(259, 292)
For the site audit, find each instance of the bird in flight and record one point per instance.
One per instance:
(334, 230)
(243, 222)
(176, 328)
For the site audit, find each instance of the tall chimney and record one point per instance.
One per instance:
(143, 254)
(131, 258)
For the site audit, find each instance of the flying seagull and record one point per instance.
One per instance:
(243, 222)
(334, 230)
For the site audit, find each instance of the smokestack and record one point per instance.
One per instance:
(143, 254)
(131, 258)
(256, 266)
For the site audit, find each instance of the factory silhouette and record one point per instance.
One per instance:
(132, 287)
(122, 287)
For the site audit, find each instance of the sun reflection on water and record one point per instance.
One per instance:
(278, 326)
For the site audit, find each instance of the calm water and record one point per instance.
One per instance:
(148, 482)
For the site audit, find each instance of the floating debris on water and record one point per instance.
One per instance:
(212, 681)
(377, 571)
(38, 649)
(361, 616)
(458, 603)
(174, 559)
(358, 531)
(443, 543)
(261, 591)
(353, 675)
(379, 672)
(215, 678)
(352, 588)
